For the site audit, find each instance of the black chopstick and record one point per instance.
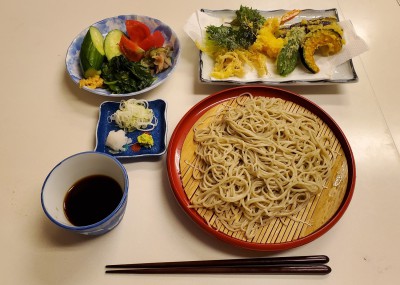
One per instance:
(312, 264)
(270, 269)
(309, 259)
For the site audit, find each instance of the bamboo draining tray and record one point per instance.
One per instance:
(312, 221)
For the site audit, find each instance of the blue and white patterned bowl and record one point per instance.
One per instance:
(72, 169)
(118, 22)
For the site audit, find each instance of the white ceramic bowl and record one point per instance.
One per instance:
(67, 173)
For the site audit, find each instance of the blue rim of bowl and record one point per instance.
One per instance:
(88, 227)
(104, 92)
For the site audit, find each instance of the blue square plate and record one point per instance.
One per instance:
(159, 133)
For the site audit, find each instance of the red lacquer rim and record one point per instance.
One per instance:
(195, 113)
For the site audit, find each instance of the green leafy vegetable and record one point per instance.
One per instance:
(123, 76)
(248, 21)
(223, 36)
(242, 31)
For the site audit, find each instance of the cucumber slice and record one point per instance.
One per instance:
(92, 52)
(111, 44)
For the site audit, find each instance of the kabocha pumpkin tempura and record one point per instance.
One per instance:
(250, 39)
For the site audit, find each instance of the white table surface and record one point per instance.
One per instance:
(45, 117)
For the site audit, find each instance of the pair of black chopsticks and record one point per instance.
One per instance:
(312, 264)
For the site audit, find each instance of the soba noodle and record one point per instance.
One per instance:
(258, 161)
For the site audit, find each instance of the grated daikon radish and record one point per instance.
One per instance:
(117, 140)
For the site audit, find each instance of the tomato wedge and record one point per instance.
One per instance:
(137, 31)
(155, 40)
(131, 50)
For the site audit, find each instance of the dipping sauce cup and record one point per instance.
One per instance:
(74, 193)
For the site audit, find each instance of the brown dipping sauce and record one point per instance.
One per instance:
(92, 199)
